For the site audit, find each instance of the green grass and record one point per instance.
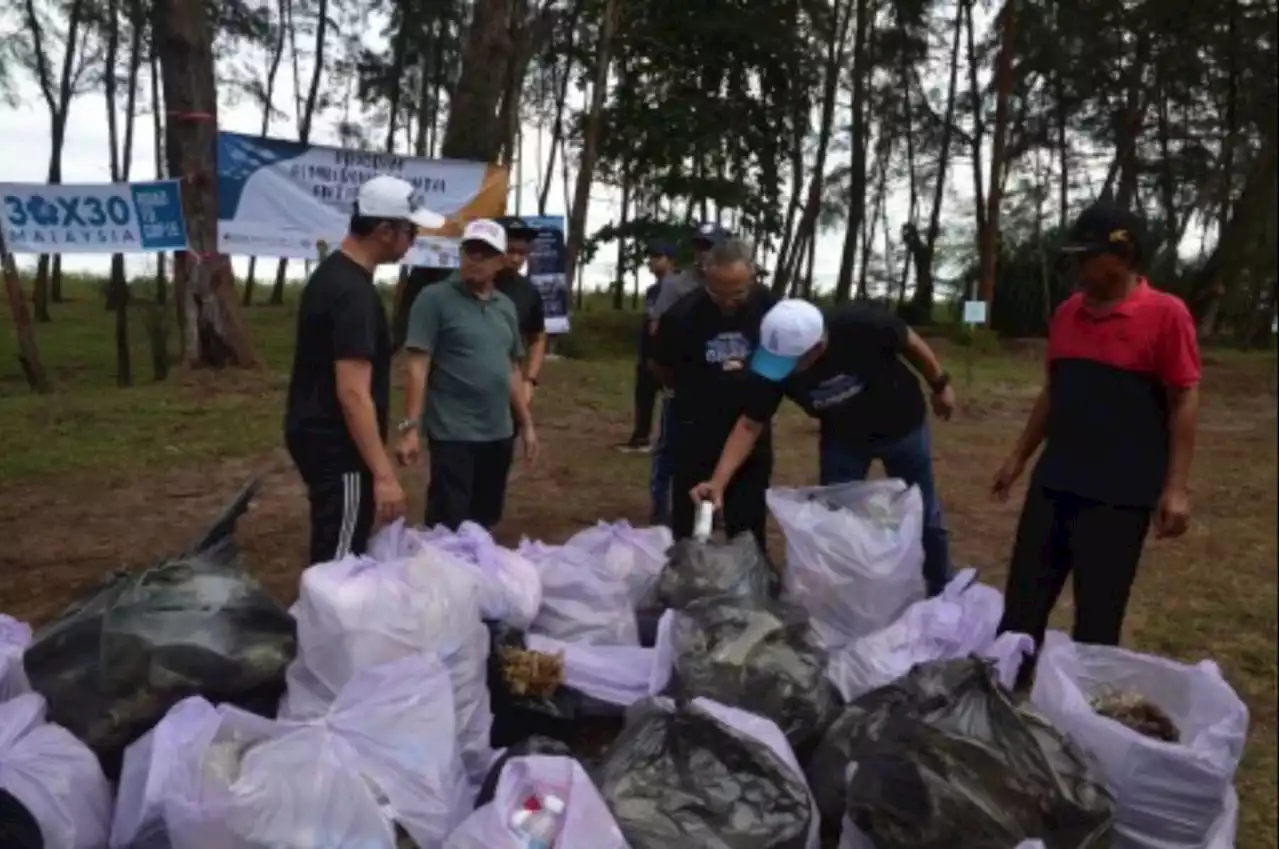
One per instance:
(90, 423)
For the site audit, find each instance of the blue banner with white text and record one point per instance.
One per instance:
(99, 218)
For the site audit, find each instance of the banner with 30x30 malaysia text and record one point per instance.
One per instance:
(100, 218)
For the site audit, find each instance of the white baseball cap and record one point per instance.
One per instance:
(789, 331)
(390, 197)
(487, 231)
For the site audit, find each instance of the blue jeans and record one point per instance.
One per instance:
(661, 470)
(909, 458)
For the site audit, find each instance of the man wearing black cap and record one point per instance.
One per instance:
(661, 264)
(528, 300)
(1117, 417)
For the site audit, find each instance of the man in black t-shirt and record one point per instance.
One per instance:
(847, 370)
(528, 300)
(702, 351)
(339, 388)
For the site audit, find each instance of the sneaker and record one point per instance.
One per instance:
(634, 446)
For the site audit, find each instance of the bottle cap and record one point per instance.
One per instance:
(554, 804)
(519, 818)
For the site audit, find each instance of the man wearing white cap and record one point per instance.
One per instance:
(340, 386)
(464, 389)
(847, 370)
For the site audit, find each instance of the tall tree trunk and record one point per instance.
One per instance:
(216, 332)
(923, 297)
(57, 99)
(862, 23)
(620, 276)
(28, 351)
(976, 138)
(561, 80)
(117, 286)
(791, 254)
(305, 119)
(1004, 86)
(590, 137)
(268, 107)
(473, 131)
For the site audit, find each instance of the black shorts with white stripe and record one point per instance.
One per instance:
(342, 509)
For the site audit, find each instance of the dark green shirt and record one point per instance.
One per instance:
(472, 343)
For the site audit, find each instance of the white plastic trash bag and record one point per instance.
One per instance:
(509, 588)
(854, 556)
(15, 636)
(384, 755)
(585, 598)
(638, 554)
(960, 621)
(358, 613)
(1168, 795)
(618, 675)
(55, 776)
(585, 824)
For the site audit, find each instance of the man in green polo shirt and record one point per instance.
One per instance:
(463, 386)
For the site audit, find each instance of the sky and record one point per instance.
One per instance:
(24, 156)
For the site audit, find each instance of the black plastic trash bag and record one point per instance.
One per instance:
(696, 570)
(112, 665)
(518, 717)
(943, 752)
(525, 748)
(761, 658)
(18, 828)
(677, 778)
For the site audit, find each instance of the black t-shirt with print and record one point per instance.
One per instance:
(340, 317)
(709, 352)
(860, 388)
(528, 301)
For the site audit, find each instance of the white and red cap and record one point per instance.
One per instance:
(789, 331)
(487, 232)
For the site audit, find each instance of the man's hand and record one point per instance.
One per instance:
(388, 499)
(944, 402)
(1173, 515)
(708, 491)
(409, 448)
(529, 441)
(1006, 477)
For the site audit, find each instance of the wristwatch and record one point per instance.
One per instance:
(942, 382)
(407, 425)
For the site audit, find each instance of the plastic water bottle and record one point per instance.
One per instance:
(706, 516)
(539, 829)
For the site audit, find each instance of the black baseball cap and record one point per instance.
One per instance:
(1105, 227)
(661, 247)
(517, 228)
(711, 234)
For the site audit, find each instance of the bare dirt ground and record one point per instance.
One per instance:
(1212, 594)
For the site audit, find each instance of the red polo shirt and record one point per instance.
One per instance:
(1107, 438)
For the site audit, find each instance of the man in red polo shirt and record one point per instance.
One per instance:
(1117, 417)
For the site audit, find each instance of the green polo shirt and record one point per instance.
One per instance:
(472, 343)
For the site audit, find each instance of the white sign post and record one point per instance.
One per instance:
(975, 315)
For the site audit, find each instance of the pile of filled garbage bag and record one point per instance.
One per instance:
(618, 691)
